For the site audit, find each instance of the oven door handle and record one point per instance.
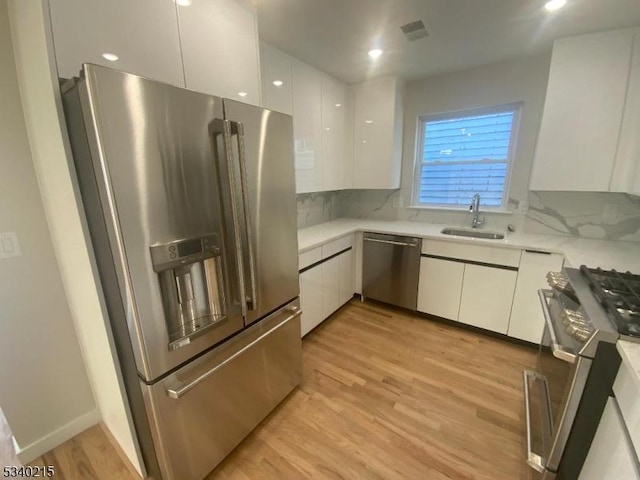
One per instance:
(535, 461)
(558, 350)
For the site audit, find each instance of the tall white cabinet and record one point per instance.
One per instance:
(378, 123)
(143, 34)
(307, 127)
(220, 49)
(588, 135)
(322, 119)
(210, 46)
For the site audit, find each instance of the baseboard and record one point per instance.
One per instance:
(59, 436)
(123, 456)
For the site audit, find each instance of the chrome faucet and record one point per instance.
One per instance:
(475, 209)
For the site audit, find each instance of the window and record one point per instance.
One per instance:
(464, 153)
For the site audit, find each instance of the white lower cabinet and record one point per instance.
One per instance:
(330, 286)
(347, 284)
(611, 455)
(311, 299)
(527, 320)
(487, 295)
(440, 287)
(325, 288)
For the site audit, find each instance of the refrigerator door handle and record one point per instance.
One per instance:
(223, 127)
(237, 128)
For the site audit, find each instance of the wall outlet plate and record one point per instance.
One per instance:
(9, 246)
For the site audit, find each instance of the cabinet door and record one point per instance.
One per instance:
(333, 134)
(307, 124)
(440, 287)
(377, 134)
(583, 112)
(331, 298)
(527, 320)
(220, 48)
(626, 170)
(143, 34)
(487, 296)
(347, 286)
(311, 299)
(276, 67)
(611, 454)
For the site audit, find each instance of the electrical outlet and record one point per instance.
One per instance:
(398, 202)
(9, 246)
(610, 214)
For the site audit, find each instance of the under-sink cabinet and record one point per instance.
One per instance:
(485, 286)
(326, 281)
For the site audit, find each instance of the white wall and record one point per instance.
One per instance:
(30, 29)
(44, 389)
(523, 80)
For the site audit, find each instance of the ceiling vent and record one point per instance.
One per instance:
(414, 30)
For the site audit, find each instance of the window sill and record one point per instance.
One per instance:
(462, 210)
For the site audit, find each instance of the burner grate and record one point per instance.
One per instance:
(619, 294)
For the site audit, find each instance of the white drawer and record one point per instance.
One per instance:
(309, 257)
(475, 253)
(626, 389)
(336, 246)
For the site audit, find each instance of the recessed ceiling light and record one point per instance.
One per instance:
(242, 94)
(553, 5)
(183, 3)
(328, 128)
(278, 83)
(112, 57)
(338, 105)
(364, 141)
(375, 53)
(368, 121)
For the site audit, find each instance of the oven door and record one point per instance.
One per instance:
(553, 390)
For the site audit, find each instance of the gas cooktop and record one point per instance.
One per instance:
(619, 294)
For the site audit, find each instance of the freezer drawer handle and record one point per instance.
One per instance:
(238, 129)
(534, 460)
(391, 242)
(179, 391)
(558, 350)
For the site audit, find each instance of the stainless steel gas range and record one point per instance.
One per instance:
(586, 311)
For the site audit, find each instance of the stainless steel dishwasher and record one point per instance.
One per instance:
(390, 269)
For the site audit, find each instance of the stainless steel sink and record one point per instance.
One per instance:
(461, 232)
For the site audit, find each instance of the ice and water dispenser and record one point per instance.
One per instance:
(191, 284)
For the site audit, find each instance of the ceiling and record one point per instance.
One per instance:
(335, 35)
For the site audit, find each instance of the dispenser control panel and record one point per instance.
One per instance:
(184, 252)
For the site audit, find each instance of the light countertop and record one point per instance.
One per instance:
(630, 353)
(606, 254)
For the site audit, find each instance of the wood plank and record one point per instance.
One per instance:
(385, 395)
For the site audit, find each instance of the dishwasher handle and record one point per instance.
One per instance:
(391, 242)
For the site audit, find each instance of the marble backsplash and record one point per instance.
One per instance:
(611, 216)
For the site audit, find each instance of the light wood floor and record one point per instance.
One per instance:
(385, 395)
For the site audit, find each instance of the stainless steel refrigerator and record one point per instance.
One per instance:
(191, 211)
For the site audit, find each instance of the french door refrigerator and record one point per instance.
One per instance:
(191, 211)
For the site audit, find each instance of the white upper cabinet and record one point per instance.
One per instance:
(378, 122)
(277, 79)
(307, 127)
(583, 112)
(220, 48)
(143, 34)
(626, 170)
(334, 160)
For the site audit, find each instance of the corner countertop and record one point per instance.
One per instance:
(606, 254)
(630, 354)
